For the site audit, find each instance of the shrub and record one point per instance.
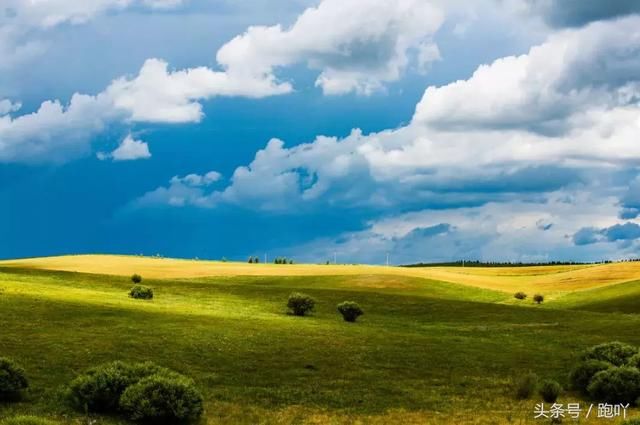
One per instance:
(550, 390)
(99, 388)
(616, 353)
(538, 298)
(141, 292)
(301, 304)
(350, 311)
(634, 361)
(520, 295)
(27, 420)
(12, 379)
(526, 386)
(136, 278)
(616, 385)
(162, 398)
(581, 375)
(632, 421)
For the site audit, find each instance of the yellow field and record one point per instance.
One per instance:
(551, 279)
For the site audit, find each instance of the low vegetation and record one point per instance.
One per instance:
(141, 292)
(162, 398)
(136, 278)
(13, 379)
(520, 295)
(301, 304)
(526, 386)
(608, 373)
(144, 391)
(550, 391)
(538, 298)
(430, 350)
(350, 311)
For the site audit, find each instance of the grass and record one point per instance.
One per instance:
(426, 351)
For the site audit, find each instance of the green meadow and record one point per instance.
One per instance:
(425, 351)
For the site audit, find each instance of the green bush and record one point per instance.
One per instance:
(634, 361)
(616, 353)
(136, 278)
(520, 295)
(27, 420)
(141, 292)
(99, 388)
(526, 385)
(550, 390)
(538, 298)
(581, 375)
(13, 379)
(301, 304)
(162, 398)
(632, 421)
(350, 311)
(616, 385)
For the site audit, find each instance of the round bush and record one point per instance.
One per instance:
(162, 398)
(301, 304)
(27, 420)
(538, 298)
(141, 292)
(520, 295)
(350, 311)
(526, 385)
(100, 388)
(549, 391)
(581, 375)
(136, 278)
(616, 385)
(12, 379)
(616, 353)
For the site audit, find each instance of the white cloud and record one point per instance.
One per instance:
(492, 148)
(354, 51)
(128, 150)
(6, 106)
(357, 45)
(57, 132)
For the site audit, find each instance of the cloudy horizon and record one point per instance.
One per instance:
(430, 131)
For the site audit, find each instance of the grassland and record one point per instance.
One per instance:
(436, 345)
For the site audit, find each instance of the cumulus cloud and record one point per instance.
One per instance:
(182, 191)
(353, 51)
(128, 150)
(571, 73)
(356, 45)
(520, 138)
(57, 132)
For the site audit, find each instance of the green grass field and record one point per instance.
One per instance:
(426, 350)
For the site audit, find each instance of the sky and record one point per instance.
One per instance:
(425, 130)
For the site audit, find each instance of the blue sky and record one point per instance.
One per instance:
(432, 130)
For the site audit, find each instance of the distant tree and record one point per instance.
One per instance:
(136, 278)
(538, 298)
(290, 261)
(250, 260)
(256, 259)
